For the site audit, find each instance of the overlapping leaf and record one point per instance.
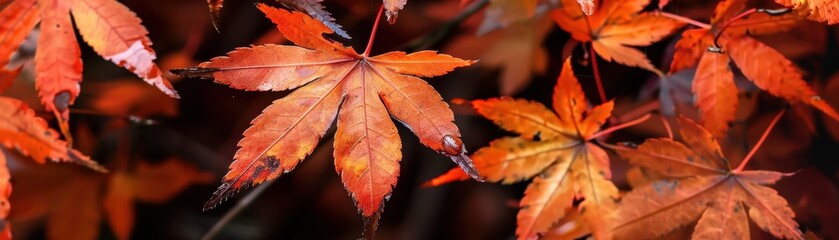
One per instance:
(22, 131)
(328, 76)
(503, 13)
(28, 134)
(820, 10)
(615, 26)
(113, 31)
(76, 208)
(554, 150)
(700, 185)
(767, 68)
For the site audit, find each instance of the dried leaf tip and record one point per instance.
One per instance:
(195, 72)
(393, 7)
(453, 148)
(587, 6)
(221, 194)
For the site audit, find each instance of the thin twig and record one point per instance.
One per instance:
(619, 127)
(373, 32)
(760, 142)
(597, 79)
(685, 20)
(241, 205)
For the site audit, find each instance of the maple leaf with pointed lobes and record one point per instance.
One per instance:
(701, 185)
(22, 131)
(368, 91)
(113, 31)
(555, 149)
(28, 134)
(614, 26)
(713, 82)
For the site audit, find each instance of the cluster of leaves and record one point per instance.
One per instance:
(560, 150)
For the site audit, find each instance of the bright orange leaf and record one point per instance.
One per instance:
(5, 192)
(766, 67)
(700, 185)
(367, 90)
(554, 150)
(28, 134)
(113, 31)
(820, 10)
(22, 131)
(615, 26)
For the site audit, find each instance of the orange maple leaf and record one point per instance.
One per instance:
(700, 184)
(820, 10)
(22, 131)
(28, 134)
(555, 149)
(111, 29)
(368, 91)
(767, 68)
(615, 26)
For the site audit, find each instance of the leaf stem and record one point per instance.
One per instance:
(771, 12)
(619, 127)
(373, 32)
(760, 142)
(685, 20)
(597, 79)
(666, 126)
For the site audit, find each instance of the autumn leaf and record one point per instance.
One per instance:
(28, 134)
(700, 185)
(7, 78)
(503, 13)
(22, 131)
(614, 27)
(76, 208)
(113, 31)
(5, 192)
(367, 90)
(553, 149)
(820, 10)
(767, 68)
(150, 184)
(316, 9)
(519, 54)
